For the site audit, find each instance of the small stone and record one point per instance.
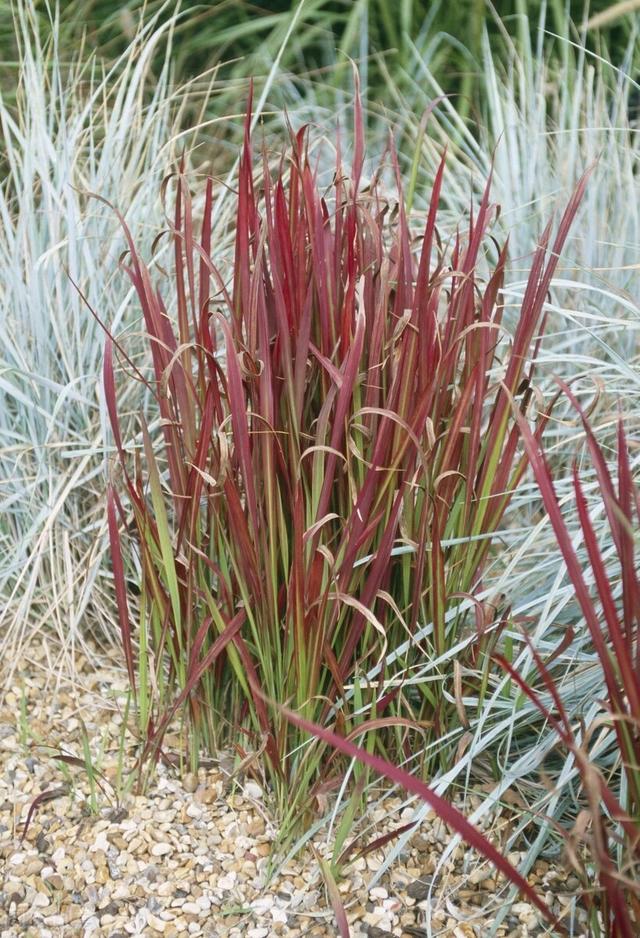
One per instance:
(161, 849)
(100, 843)
(419, 889)
(156, 923)
(42, 844)
(378, 892)
(190, 782)
(228, 881)
(262, 904)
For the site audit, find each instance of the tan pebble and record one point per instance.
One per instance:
(206, 795)
(33, 866)
(156, 923)
(117, 840)
(73, 913)
(190, 781)
(475, 877)
(356, 912)
(191, 908)
(255, 827)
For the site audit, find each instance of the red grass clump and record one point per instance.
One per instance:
(335, 446)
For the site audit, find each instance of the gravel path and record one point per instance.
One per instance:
(191, 858)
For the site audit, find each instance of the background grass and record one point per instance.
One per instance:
(248, 35)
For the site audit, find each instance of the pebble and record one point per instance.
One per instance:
(419, 890)
(161, 849)
(378, 892)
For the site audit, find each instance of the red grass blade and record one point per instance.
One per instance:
(121, 587)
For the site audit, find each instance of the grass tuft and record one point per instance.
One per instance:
(334, 451)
